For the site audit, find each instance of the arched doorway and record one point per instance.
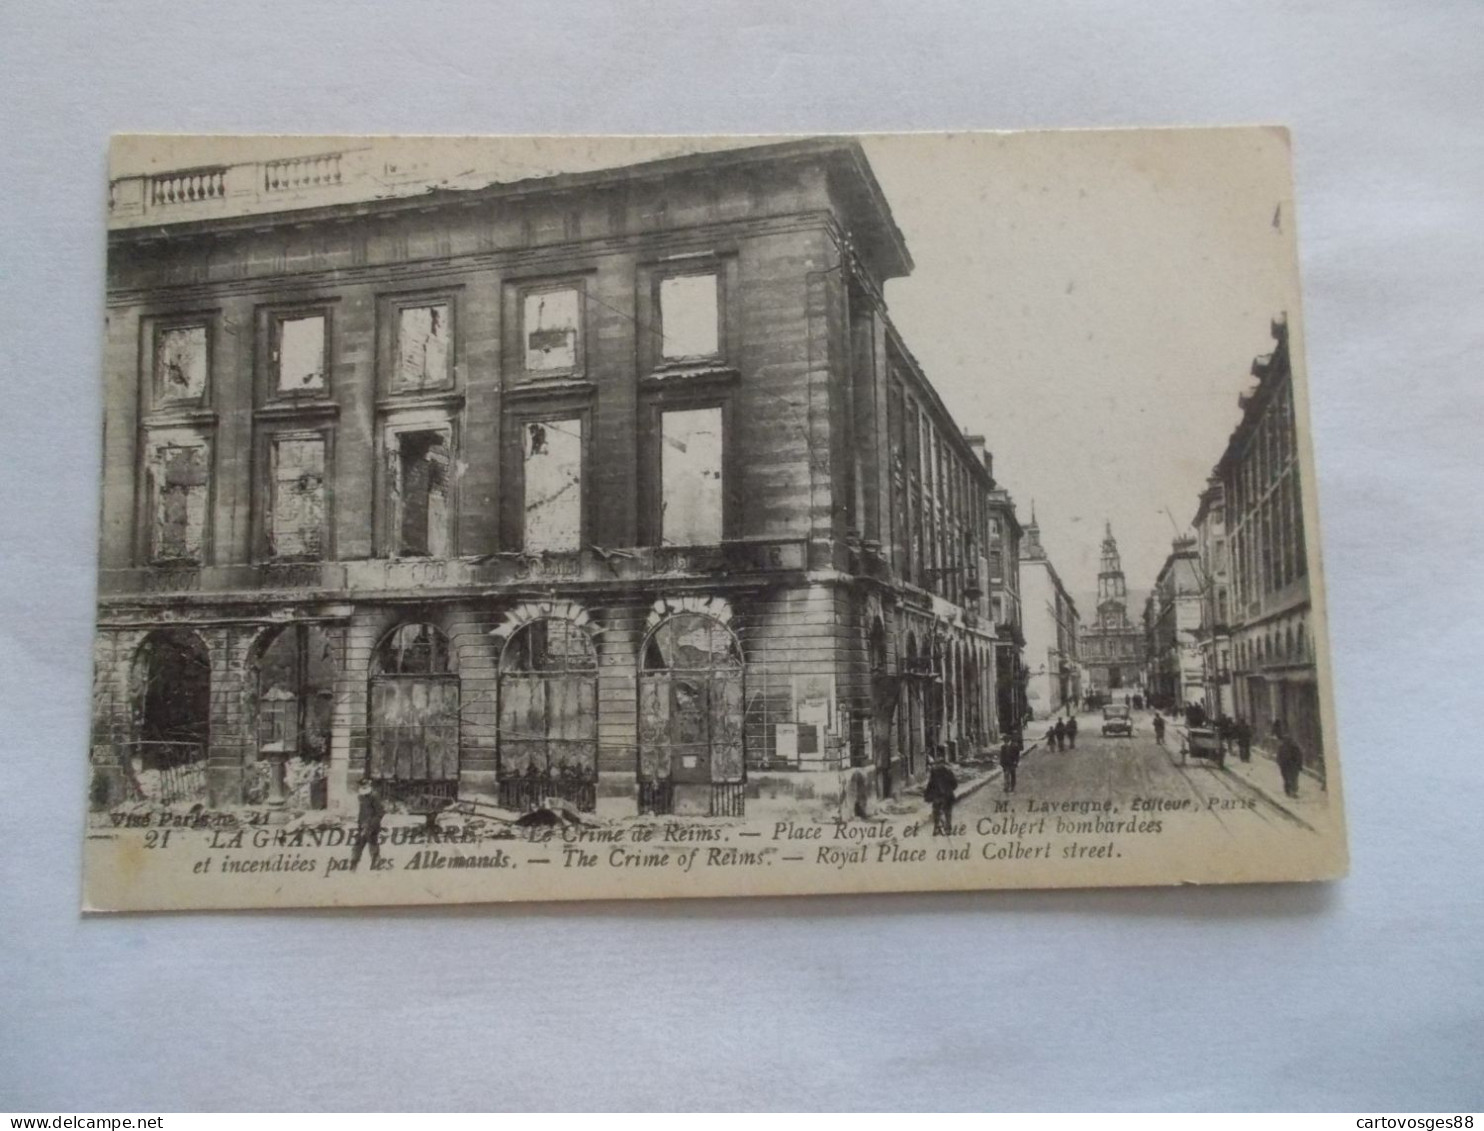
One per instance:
(170, 687)
(548, 731)
(691, 757)
(414, 720)
(294, 701)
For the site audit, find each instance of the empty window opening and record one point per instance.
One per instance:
(691, 477)
(689, 317)
(180, 487)
(422, 347)
(413, 649)
(420, 493)
(552, 461)
(297, 519)
(551, 327)
(301, 354)
(180, 364)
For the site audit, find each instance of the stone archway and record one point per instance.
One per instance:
(548, 718)
(293, 705)
(170, 691)
(691, 683)
(413, 728)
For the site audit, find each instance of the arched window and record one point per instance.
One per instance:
(548, 715)
(171, 690)
(690, 717)
(413, 649)
(414, 718)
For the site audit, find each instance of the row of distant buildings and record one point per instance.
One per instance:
(619, 486)
(1229, 624)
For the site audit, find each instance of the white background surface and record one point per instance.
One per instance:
(1356, 995)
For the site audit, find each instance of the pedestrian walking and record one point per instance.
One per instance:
(1072, 734)
(941, 792)
(1243, 732)
(1159, 728)
(1290, 759)
(1009, 761)
(1054, 736)
(371, 809)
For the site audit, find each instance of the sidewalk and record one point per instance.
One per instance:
(1261, 775)
(971, 779)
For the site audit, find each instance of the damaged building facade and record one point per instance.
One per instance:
(617, 486)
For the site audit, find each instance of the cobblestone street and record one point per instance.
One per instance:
(1138, 767)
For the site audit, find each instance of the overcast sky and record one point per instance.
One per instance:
(1090, 301)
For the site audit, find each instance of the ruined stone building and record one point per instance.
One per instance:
(618, 486)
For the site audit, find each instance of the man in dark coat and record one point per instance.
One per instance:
(1072, 733)
(1009, 761)
(941, 791)
(371, 809)
(1242, 731)
(1290, 759)
(1159, 728)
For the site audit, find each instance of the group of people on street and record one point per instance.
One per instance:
(1235, 732)
(1062, 735)
(941, 790)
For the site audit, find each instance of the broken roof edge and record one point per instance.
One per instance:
(867, 202)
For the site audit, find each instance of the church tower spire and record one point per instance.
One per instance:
(1112, 593)
(1030, 546)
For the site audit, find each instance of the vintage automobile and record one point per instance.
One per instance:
(1117, 719)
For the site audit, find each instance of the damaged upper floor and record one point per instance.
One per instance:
(698, 355)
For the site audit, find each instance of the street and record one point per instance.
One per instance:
(1124, 768)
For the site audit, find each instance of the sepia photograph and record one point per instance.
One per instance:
(543, 518)
(655, 557)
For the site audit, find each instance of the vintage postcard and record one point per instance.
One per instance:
(589, 518)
